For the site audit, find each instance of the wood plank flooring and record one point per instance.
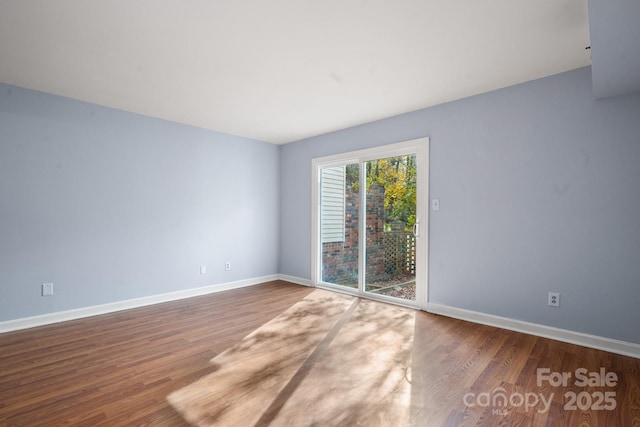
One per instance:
(121, 368)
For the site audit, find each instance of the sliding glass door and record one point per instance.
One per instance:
(340, 224)
(390, 217)
(368, 210)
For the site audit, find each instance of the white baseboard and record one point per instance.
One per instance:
(593, 341)
(296, 280)
(78, 313)
(587, 340)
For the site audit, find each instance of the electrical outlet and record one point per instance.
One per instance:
(203, 269)
(227, 265)
(554, 299)
(47, 289)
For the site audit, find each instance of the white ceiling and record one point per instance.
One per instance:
(284, 70)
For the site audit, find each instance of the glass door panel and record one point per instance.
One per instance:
(340, 224)
(390, 244)
(370, 222)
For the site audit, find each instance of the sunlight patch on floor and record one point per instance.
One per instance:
(330, 359)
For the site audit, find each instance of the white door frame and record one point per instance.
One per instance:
(420, 147)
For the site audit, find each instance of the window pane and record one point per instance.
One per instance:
(391, 215)
(339, 222)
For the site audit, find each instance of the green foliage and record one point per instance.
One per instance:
(353, 176)
(398, 176)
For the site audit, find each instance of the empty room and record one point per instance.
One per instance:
(336, 213)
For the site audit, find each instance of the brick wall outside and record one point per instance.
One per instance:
(388, 253)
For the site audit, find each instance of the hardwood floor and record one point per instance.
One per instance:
(122, 368)
(118, 369)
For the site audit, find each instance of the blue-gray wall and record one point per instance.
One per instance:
(615, 56)
(110, 205)
(539, 186)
